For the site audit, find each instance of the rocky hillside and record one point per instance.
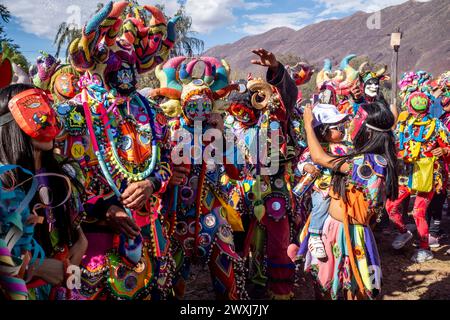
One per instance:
(425, 43)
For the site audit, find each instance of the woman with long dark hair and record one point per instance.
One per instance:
(28, 127)
(361, 182)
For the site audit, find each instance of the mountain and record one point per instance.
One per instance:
(425, 44)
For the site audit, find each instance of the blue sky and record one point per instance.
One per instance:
(34, 23)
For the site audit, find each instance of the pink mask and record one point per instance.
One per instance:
(357, 123)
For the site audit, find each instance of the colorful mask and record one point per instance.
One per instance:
(124, 79)
(357, 123)
(49, 74)
(372, 87)
(418, 102)
(32, 111)
(195, 98)
(411, 82)
(342, 79)
(107, 44)
(243, 113)
(66, 86)
(198, 108)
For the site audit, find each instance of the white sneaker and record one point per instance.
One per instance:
(422, 255)
(316, 247)
(401, 240)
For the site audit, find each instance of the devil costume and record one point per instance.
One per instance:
(200, 220)
(266, 194)
(115, 135)
(418, 135)
(371, 81)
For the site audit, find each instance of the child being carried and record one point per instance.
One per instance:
(330, 128)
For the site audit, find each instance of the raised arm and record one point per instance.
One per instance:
(278, 77)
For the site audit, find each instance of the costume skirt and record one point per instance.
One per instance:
(338, 275)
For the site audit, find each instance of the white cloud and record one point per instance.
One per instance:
(333, 6)
(209, 15)
(170, 6)
(42, 17)
(261, 23)
(256, 5)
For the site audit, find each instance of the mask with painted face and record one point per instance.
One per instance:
(372, 87)
(357, 123)
(418, 102)
(32, 111)
(372, 80)
(66, 86)
(124, 80)
(198, 108)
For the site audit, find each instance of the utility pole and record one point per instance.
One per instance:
(395, 45)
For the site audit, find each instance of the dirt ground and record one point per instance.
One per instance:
(402, 279)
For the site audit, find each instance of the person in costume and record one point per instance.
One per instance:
(200, 220)
(115, 135)
(434, 214)
(423, 146)
(339, 82)
(61, 80)
(330, 129)
(301, 73)
(362, 180)
(259, 116)
(368, 88)
(41, 201)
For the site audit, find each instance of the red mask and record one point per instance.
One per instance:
(245, 115)
(32, 111)
(357, 123)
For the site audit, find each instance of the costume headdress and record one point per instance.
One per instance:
(301, 73)
(179, 86)
(367, 74)
(108, 40)
(343, 78)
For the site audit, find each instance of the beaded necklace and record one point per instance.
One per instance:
(115, 163)
(133, 250)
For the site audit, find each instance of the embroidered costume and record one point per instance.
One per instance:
(261, 110)
(418, 135)
(197, 210)
(116, 136)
